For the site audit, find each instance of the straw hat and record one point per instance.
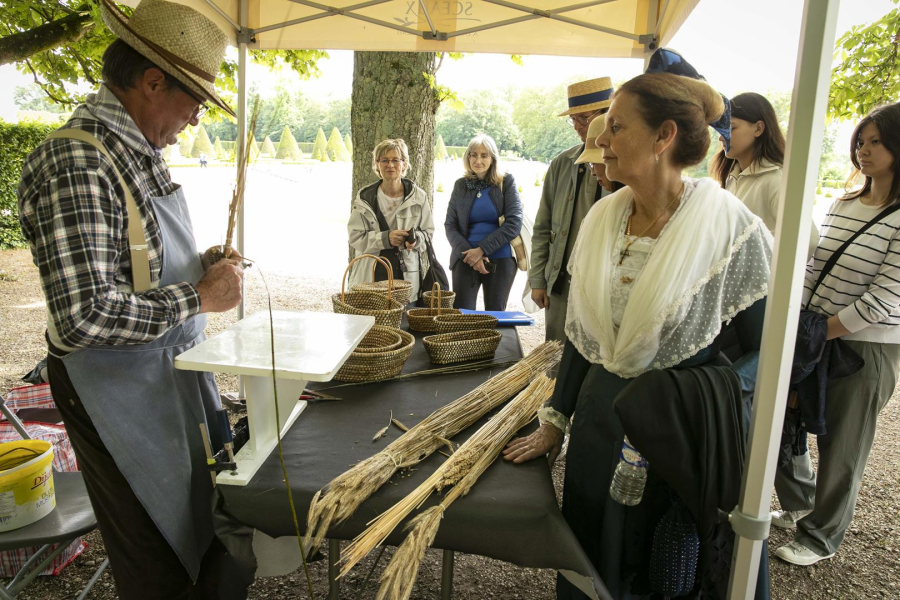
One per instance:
(585, 96)
(591, 153)
(179, 40)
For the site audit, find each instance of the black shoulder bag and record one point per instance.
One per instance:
(434, 273)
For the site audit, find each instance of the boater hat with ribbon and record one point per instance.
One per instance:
(586, 96)
(178, 39)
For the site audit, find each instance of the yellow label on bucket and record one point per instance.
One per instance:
(26, 486)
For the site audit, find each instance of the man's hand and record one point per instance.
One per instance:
(547, 439)
(220, 286)
(540, 297)
(397, 237)
(473, 256)
(214, 254)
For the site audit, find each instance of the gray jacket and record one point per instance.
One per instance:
(554, 217)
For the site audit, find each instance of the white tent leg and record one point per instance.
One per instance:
(804, 145)
(243, 19)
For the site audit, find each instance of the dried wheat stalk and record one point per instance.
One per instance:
(461, 472)
(237, 195)
(334, 503)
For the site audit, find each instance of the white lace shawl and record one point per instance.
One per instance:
(711, 262)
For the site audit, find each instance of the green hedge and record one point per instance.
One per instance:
(16, 143)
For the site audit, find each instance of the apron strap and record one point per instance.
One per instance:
(137, 241)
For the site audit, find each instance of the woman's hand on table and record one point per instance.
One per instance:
(473, 256)
(547, 440)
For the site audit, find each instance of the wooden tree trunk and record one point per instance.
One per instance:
(393, 99)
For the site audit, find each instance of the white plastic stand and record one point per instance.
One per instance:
(308, 347)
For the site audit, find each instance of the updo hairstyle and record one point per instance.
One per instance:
(691, 103)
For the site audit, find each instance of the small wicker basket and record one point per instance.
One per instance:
(387, 311)
(463, 322)
(371, 362)
(401, 290)
(462, 346)
(445, 297)
(422, 319)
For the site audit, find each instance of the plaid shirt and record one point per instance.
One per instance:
(72, 212)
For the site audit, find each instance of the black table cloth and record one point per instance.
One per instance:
(511, 514)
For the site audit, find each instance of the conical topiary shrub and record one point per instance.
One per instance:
(440, 150)
(219, 149)
(202, 145)
(268, 148)
(185, 143)
(287, 146)
(254, 149)
(349, 144)
(336, 148)
(320, 146)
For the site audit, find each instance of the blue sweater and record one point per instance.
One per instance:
(483, 221)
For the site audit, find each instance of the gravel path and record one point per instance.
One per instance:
(865, 567)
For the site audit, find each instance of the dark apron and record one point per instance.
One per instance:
(148, 414)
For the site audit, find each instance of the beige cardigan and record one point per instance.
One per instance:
(757, 187)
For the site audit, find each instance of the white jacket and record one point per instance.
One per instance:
(757, 187)
(366, 237)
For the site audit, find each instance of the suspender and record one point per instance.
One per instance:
(137, 241)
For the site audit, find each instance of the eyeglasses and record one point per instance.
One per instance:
(395, 162)
(202, 107)
(584, 120)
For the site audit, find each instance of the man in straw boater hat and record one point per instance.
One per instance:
(126, 291)
(569, 192)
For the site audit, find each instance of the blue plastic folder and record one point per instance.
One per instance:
(505, 318)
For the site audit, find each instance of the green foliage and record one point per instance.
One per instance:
(219, 149)
(201, 143)
(543, 133)
(348, 143)
(268, 148)
(320, 146)
(819, 190)
(445, 96)
(519, 189)
(483, 112)
(868, 73)
(287, 146)
(440, 150)
(336, 148)
(537, 180)
(517, 58)
(32, 97)
(185, 143)
(16, 143)
(440, 187)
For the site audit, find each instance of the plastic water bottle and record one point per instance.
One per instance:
(627, 486)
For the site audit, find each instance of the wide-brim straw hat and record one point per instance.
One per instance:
(178, 39)
(586, 96)
(591, 153)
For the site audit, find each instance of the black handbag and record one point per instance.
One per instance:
(434, 273)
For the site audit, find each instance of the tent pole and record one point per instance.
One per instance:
(750, 519)
(653, 15)
(243, 19)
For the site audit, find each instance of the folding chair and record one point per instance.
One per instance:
(72, 517)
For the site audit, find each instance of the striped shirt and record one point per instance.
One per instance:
(72, 212)
(863, 287)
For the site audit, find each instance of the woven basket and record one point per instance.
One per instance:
(445, 297)
(449, 323)
(386, 310)
(462, 346)
(401, 290)
(380, 339)
(367, 365)
(422, 319)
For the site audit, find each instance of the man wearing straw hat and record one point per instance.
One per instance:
(126, 291)
(568, 194)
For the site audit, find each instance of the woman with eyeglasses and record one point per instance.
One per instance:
(482, 255)
(391, 218)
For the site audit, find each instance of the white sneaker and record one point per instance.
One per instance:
(787, 519)
(798, 554)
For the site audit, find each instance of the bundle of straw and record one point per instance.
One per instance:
(338, 500)
(461, 471)
(237, 195)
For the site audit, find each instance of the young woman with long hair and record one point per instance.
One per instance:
(751, 167)
(861, 297)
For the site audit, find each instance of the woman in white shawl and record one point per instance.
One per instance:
(658, 268)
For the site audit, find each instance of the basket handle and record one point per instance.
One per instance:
(436, 293)
(390, 270)
(387, 267)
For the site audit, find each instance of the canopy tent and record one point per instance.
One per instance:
(596, 28)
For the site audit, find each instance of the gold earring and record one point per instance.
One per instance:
(656, 158)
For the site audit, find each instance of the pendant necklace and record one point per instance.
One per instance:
(628, 242)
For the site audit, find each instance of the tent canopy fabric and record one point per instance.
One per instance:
(596, 28)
